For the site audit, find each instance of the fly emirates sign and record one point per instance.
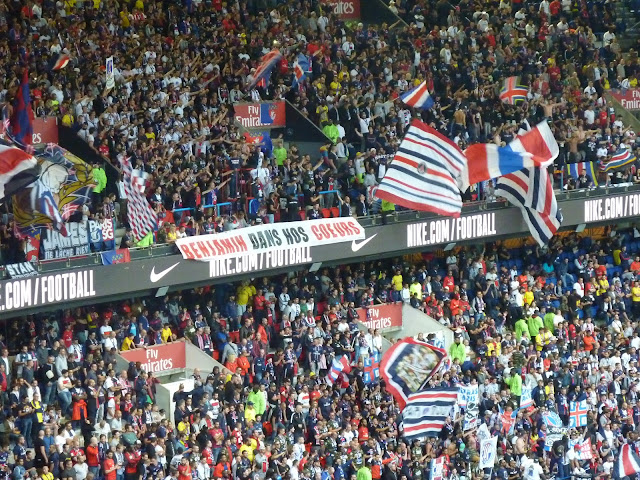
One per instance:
(267, 246)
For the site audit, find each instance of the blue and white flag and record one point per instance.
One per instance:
(418, 97)
(526, 400)
(468, 394)
(300, 69)
(426, 412)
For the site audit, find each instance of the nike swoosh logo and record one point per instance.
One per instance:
(355, 246)
(156, 277)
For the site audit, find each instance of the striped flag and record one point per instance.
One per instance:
(512, 92)
(60, 62)
(576, 169)
(22, 116)
(621, 158)
(418, 97)
(263, 72)
(426, 412)
(338, 366)
(142, 219)
(300, 69)
(531, 188)
(424, 173)
(140, 179)
(628, 463)
(578, 414)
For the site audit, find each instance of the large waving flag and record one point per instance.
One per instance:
(21, 121)
(576, 169)
(64, 184)
(424, 173)
(418, 97)
(300, 69)
(578, 414)
(408, 366)
(536, 148)
(531, 188)
(142, 219)
(263, 72)
(338, 366)
(512, 92)
(628, 463)
(17, 170)
(426, 412)
(621, 158)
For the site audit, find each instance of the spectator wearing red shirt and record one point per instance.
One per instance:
(93, 458)
(109, 466)
(184, 469)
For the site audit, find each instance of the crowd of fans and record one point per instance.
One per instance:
(563, 321)
(180, 68)
(562, 317)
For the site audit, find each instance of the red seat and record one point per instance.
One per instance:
(335, 212)
(303, 215)
(326, 213)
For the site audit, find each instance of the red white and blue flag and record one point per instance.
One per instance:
(426, 412)
(338, 366)
(418, 97)
(621, 158)
(578, 414)
(142, 218)
(17, 170)
(531, 188)
(512, 92)
(263, 72)
(536, 148)
(628, 463)
(300, 69)
(424, 173)
(372, 368)
(60, 62)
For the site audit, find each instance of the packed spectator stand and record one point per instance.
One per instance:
(563, 317)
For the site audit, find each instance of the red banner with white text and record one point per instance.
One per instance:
(159, 358)
(45, 130)
(382, 317)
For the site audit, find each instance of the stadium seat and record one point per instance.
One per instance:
(326, 213)
(303, 215)
(335, 212)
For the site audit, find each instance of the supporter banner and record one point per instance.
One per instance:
(159, 358)
(439, 470)
(525, 400)
(468, 394)
(381, 317)
(55, 245)
(102, 234)
(21, 270)
(471, 419)
(262, 241)
(345, 9)
(630, 99)
(555, 429)
(488, 452)
(583, 452)
(260, 115)
(45, 130)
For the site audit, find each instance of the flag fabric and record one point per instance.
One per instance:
(578, 414)
(583, 450)
(488, 452)
(628, 463)
(426, 412)
(21, 121)
(142, 219)
(17, 170)
(263, 72)
(512, 92)
(574, 170)
(531, 188)
(300, 69)
(526, 400)
(338, 366)
(408, 366)
(140, 180)
(64, 184)
(113, 257)
(508, 421)
(535, 148)
(532, 191)
(372, 368)
(424, 172)
(418, 97)
(621, 158)
(60, 62)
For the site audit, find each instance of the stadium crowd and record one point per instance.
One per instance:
(562, 318)
(563, 321)
(179, 70)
